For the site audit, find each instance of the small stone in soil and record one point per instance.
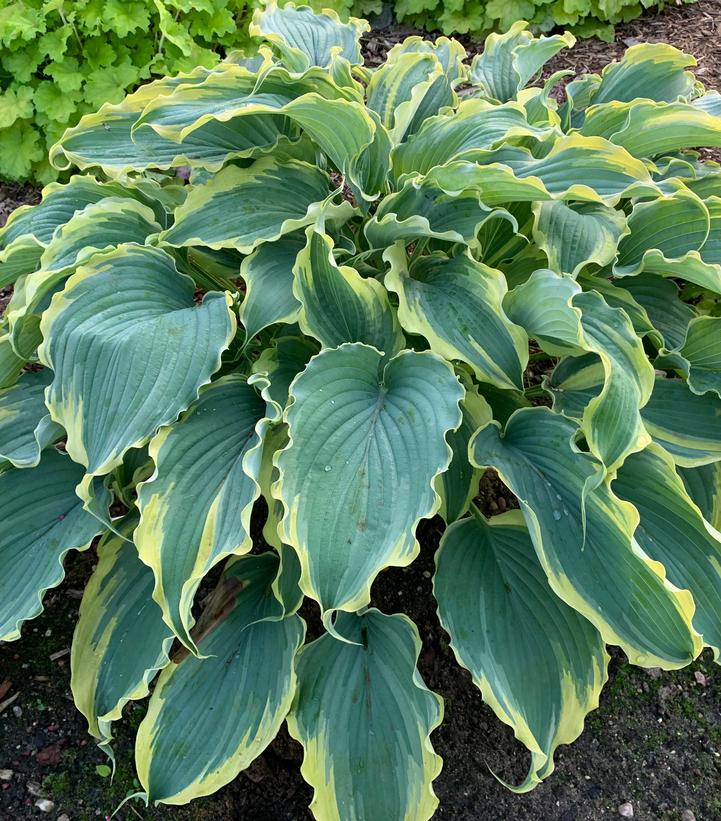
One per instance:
(700, 678)
(688, 815)
(34, 788)
(6, 775)
(17, 711)
(625, 810)
(45, 805)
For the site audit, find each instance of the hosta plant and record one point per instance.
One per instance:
(327, 333)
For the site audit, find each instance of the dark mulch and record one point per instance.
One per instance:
(654, 742)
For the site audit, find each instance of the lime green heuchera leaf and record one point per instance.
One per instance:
(338, 304)
(195, 508)
(673, 532)
(111, 391)
(372, 692)
(42, 520)
(120, 641)
(25, 424)
(584, 539)
(538, 663)
(246, 676)
(456, 304)
(366, 443)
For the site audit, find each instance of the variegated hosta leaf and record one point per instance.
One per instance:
(58, 205)
(42, 520)
(649, 129)
(11, 365)
(459, 484)
(282, 362)
(672, 531)
(399, 88)
(456, 304)
(703, 485)
(22, 258)
(612, 420)
(129, 350)
(195, 508)
(667, 237)
(350, 134)
(563, 319)
(440, 91)
(107, 138)
(367, 439)
(120, 640)
(577, 234)
(617, 296)
(538, 663)
(653, 71)
(25, 424)
(602, 172)
(495, 184)
(542, 305)
(449, 52)
(268, 275)
(338, 304)
(367, 751)
(421, 209)
(304, 38)
(210, 717)
(685, 424)
(509, 61)
(699, 358)
(241, 208)
(583, 536)
(99, 226)
(475, 124)
(660, 299)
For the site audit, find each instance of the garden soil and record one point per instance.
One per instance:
(653, 746)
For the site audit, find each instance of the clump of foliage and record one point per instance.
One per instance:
(330, 327)
(60, 59)
(586, 18)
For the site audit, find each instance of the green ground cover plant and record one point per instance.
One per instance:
(329, 329)
(60, 59)
(586, 18)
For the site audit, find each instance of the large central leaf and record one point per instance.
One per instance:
(366, 443)
(129, 350)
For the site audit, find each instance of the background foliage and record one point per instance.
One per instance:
(60, 59)
(586, 18)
